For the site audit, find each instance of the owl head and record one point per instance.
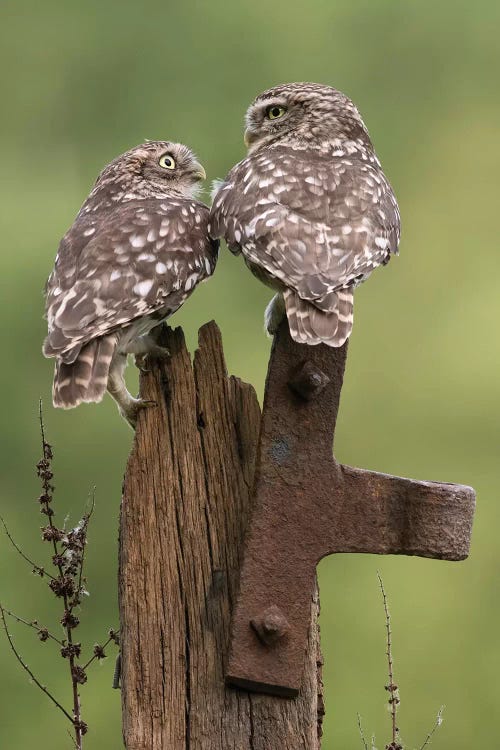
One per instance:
(306, 114)
(152, 169)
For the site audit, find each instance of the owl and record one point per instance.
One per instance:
(309, 209)
(136, 250)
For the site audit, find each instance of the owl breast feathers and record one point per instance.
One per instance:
(312, 221)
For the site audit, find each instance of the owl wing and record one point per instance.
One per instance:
(144, 257)
(317, 224)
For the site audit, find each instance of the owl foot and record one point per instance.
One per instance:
(130, 410)
(146, 350)
(145, 360)
(274, 314)
(128, 406)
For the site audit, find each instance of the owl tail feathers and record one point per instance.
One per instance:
(86, 379)
(310, 325)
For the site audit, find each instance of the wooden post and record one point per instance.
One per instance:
(185, 507)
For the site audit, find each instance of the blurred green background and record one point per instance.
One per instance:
(82, 83)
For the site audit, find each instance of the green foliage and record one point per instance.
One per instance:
(83, 82)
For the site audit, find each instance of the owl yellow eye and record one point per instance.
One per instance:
(167, 161)
(275, 111)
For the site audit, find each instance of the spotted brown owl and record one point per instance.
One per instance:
(309, 209)
(136, 250)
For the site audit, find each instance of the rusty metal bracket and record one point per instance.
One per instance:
(307, 506)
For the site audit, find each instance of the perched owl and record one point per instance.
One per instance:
(309, 208)
(135, 252)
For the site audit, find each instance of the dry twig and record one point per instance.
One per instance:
(68, 558)
(28, 670)
(393, 690)
(437, 724)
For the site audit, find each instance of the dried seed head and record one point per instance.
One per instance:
(115, 636)
(52, 534)
(70, 621)
(81, 727)
(99, 652)
(71, 649)
(79, 675)
(62, 586)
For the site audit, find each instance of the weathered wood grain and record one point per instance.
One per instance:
(185, 506)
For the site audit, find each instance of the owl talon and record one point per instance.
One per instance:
(145, 360)
(159, 352)
(131, 411)
(141, 362)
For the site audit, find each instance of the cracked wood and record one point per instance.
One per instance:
(185, 507)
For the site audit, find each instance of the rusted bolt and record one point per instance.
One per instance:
(271, 625)
(308, 380)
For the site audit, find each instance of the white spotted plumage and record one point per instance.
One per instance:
(135, 252)
(309, 208)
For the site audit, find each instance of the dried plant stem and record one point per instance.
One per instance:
(392, 688)
(96, 655)
(68, 558)
(28, 670)
(36, 568)
(77, 719)
(86, 520)
(437, 724)
(33, 625)
(362, 734)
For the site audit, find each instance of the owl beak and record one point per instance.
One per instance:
(198, 172)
